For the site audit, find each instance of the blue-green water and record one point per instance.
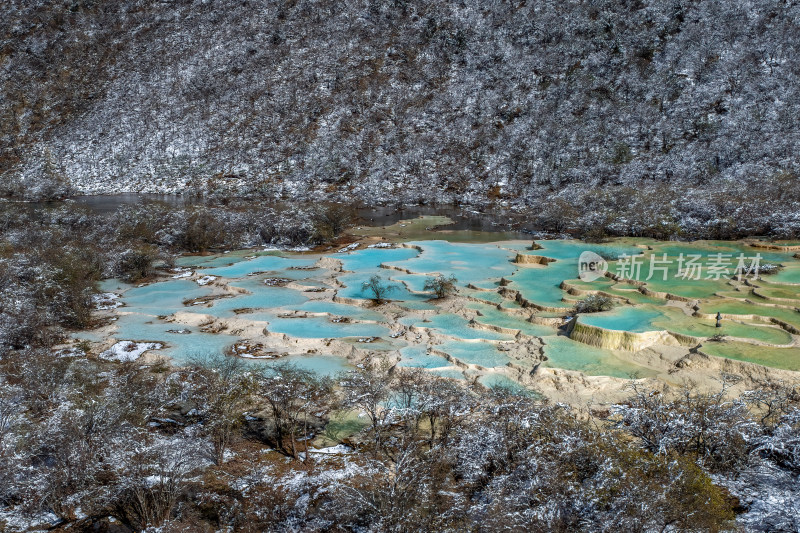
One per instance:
(179, 346)
(494, 381)
(541, 285)
(164, 298)
(493, 316)
(419, 357)
(418, 305)
(452, 373)
(113, 285)
(320, 327)
(624, 318)
(487, 296)
(563, 352)
(479, 264)
(790, 274)
(370, 259)
(323, 365)
(261, 297)
(475, 353)
(210, 261)
(354, 287)
(264, 263)
(456, 326)
(350, 311)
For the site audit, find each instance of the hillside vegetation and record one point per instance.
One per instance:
(629, 113)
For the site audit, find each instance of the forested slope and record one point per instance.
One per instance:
(693, 102)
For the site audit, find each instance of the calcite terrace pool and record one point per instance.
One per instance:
(511, 323)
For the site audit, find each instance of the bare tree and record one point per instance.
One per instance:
(331, 221)
(772, 400)
(378, 289)
(220, 388)
(441, 285)
(710, 426)
(151, 484)
(367, 390)
(295, 399)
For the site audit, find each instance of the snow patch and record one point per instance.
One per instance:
(129, 350)
(339, 449)
(349, 247)
(106, 301)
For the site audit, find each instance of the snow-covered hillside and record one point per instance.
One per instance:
(398, 101)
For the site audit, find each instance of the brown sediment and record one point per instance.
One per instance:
(515, 295)
(779, 247)
(530, 259)
(492, 327)
(620, 340)
(575, 291)
(752, 318)
(480, 289)
(758, 291)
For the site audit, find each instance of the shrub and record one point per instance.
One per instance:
(441, 286)
(594, 303)
(202, 232)
(74, 274)
(331, 221)
(595, 235)
(136, 264)
(377, 288)
(769, 268)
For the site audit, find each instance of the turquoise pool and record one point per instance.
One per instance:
(419, 357)
(563, 352)
(624, 318)
(475, 353)
(457, 326)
